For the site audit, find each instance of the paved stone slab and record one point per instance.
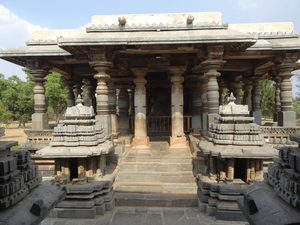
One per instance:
(153, 216)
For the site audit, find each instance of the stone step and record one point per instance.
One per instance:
(165, 158)
(156, 167)
(155, 187)
(156, 200)
(168, 177)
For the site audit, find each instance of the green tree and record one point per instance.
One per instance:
(267, 98)
(18, 98)
(56, 94)
(296, 106)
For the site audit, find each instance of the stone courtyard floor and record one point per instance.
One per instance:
(145, 216)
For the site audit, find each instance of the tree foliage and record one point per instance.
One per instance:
(267, 98)
(56, 94)
(296, 106)
(17, 99)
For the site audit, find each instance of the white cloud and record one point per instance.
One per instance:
(85, 26)
(15, 31)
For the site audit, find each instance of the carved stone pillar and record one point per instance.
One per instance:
(188, 99)
(236, 88)
(123, 107)
(70, 95)
(222, 92)
(112, 107)
(204, 104)
(39, 118)
(77, 88)
(89, 93)
(277, 98)
(196, 106)
(140, 129)
(230, 169)
(286, 117)
(177, 138)
(256, 109)
(247, 93)
(102, 93)
(212, 64)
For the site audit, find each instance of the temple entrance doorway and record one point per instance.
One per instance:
(240, 170)
(159, 111)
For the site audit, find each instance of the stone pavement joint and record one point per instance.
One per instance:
(146, 216)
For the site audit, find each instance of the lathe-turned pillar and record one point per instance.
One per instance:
(177, 138)
(102, 78)
(40, 117)
(140, 129)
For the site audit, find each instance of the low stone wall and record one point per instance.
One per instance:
(279, 136)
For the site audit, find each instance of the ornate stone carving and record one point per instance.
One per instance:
(102, 91)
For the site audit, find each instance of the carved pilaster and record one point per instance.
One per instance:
(178, 137)
(140, 129)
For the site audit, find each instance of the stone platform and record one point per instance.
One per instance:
(146, 216)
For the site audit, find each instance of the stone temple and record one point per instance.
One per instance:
(157, 84)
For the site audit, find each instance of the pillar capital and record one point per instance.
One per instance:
(140, 71)
(177, 70)
(101, 66)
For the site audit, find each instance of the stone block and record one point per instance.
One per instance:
(249, 204)
(287, 119)
(7, 164)
(76, 213)
(229, 215)
(100, 210)
(210, 211)
(110, 205)
(201, 207)
(40, 121)
(257, 117)
(141, 142)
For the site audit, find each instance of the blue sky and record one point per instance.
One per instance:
(19, 17)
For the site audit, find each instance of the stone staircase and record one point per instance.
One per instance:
(156, 177)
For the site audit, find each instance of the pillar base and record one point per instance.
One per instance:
(141, 142)
(114, 125)
(211, 118)
(124, 125)
(275, 117)
(287, 119)
(40, 121)
(105, 121)
(178, 141)
(257, 117)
